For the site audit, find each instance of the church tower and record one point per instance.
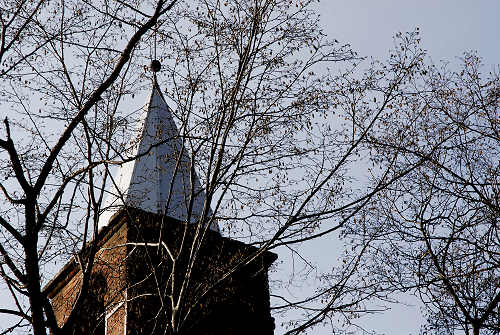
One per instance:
(157, 269)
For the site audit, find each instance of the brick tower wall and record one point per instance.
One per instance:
(215, 302)
(106, 288)
(132, 279)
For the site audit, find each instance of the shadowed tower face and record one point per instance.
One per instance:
(150, 245)
(158, 180)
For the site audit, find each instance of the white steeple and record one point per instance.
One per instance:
(158, 181)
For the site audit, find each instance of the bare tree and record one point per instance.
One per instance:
(253, 83)
(64, 55)
(435, 230)
(254, 86)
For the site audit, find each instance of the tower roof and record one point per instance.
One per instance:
(159, 179)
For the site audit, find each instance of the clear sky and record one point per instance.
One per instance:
(448, 28)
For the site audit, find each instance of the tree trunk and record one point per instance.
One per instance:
(475, 329)
(33, 285)
(33, 271)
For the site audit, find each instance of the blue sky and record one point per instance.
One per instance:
(448, 27)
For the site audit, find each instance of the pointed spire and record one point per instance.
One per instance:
(158, 181)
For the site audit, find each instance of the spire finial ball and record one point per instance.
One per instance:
(155, 65)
